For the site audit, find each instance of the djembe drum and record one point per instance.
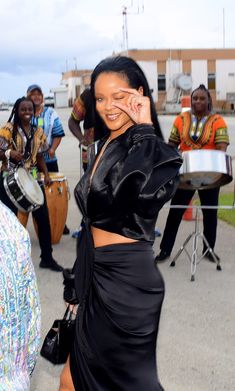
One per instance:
(57, 196)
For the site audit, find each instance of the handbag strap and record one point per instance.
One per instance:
(68, 313)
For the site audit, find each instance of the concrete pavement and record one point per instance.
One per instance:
(196, 344)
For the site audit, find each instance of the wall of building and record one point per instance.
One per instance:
(76, 81)
(196, 62)
(199, 73)
(61, 99)
(150, 70)
(225, 80)
(172, 62)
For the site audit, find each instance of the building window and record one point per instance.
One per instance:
(161, 82)
(211, 81)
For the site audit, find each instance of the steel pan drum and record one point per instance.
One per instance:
(205, 169)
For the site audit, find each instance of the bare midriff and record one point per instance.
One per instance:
(104, 238)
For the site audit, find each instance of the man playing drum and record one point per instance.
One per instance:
(48, 119)
(22, 144)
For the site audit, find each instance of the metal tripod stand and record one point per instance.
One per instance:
(195, 258)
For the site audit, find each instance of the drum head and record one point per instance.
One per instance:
(55, 177)
(30, 186)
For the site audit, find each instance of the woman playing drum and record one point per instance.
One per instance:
(23, 144)
(194, 130)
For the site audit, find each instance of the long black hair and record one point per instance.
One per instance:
(202, 87)
(14, 116)
(131, 71)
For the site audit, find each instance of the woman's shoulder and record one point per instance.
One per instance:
(49, 113)
(38, 131)
(39, 134)
(146, 150)
(217, 119)
(183, 116)
(141, 132)
(144, 135)
(6, 130)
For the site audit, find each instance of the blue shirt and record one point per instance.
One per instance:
(49, 121)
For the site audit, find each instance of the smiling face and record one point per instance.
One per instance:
(36, 97)
(107, 91)
(200, 103)
(25, 111)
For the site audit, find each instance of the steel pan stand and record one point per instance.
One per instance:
(195, 236)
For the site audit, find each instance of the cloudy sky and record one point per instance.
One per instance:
(42, 38)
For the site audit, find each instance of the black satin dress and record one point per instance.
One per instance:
(119, 288)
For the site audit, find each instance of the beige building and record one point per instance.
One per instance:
(172, 73)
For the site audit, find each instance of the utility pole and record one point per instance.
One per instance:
(125, 12)
(75, 63)
(223, 28)
(125, 29)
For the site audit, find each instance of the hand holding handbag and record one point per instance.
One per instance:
(69, 287)
(58, 341)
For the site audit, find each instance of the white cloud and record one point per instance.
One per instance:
(44, 37)
(15, 86)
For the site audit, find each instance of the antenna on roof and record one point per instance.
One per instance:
(126, 11)
(223, 28)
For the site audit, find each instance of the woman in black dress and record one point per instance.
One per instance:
(118, 286)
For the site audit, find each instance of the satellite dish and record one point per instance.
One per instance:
(184, 82)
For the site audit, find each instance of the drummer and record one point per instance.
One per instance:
(23, 144)
(198, 128)
(47, 119)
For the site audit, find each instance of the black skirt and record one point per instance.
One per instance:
(117, 325)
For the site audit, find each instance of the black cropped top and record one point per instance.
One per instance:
(136, 175)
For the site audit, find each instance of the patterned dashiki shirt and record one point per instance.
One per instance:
(49, 121)
(38, 144)
(20, 315)
(192, 134)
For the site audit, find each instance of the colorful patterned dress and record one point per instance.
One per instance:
(20, 316)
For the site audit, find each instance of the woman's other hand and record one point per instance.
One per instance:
(16, 156)
(47, 180)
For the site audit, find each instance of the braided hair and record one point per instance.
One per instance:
(203, 88)
(14, 116)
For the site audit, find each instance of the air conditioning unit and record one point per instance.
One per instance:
(183, 82)
(230, 96)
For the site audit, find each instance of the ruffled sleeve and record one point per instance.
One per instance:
(147, 177)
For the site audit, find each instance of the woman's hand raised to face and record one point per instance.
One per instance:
(137, 106)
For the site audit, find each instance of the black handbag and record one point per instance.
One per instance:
(58, 341)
